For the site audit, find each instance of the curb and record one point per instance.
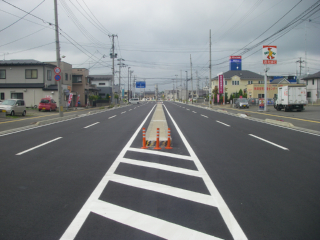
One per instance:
(286, 124)
(54, 120)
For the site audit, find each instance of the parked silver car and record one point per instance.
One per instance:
(13, 107)
(242, 103)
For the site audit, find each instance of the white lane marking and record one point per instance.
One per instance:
(166, 154)
(162, 167)
(182, 107)
(165, 189)
(91, 125)
(225, 212)
(82, 215)
(194, 112)
(269, 142)
(204, 116)
(146, 223)
(130, 109)
(30, 149)
(123, 112)
(188, 109)
(112, 116)
(223, 123)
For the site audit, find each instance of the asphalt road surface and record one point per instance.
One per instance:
(225, 178)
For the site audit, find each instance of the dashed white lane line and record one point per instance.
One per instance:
(188, 109)
(194, 112)
(92, 125)
(130, 109)
(204, 116)
(30, 149)
(123, 112)
(112, 116)
(223, 123)
(269, 142)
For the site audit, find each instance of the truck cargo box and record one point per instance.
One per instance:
(292, 95)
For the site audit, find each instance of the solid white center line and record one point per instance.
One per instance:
(204, 116)
(91, 125)
(30, 149)
(269, 142)
(223, 123)
(112, 116)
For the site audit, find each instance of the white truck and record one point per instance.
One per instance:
(290, 98)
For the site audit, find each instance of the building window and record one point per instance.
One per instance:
(261, 82)
(249, 82)
(2, 96)
(49, 75)
(102, 83)
(76, 78)
(31, 73)
(225, 83)
(309, 94)
(102, 95)
(66, 76)
(260, 95)
(235, 82)
(2, 74)
(312, 81)
(17, 95)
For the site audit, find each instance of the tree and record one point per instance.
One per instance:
(240, 92)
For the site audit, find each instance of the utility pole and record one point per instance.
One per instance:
(176, 87)
(113, 56)
(187, 94)
(128, 84)
(120, 66)
(181, 85)
(210, 68)
(191, 81)
(197, 91)
(299, 61)
(58, 56)
(134, 87)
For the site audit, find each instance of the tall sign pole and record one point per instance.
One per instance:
(58, 56)
(269, 56)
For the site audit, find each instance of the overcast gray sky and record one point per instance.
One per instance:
(156, 37)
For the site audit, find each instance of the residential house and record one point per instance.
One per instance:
(104, 84)
(30, 80)
(313, 87)
(234, 80)
(82, 87)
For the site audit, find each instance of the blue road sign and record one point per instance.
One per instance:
(57, 77)
(140, 84)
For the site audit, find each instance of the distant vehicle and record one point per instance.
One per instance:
(13, 107)
(242, 103)
(290, 98)
(134, 100)
(47, 104)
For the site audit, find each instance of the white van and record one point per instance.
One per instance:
(134, 100)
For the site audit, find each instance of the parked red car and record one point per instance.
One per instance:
(47, 104)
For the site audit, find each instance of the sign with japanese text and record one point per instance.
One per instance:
(78, 98)
(70, 98)
(269, 54)
(220, 83)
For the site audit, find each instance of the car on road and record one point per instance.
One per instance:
(47, 104)
(13, 107)
(134, 100)
(242, 103)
